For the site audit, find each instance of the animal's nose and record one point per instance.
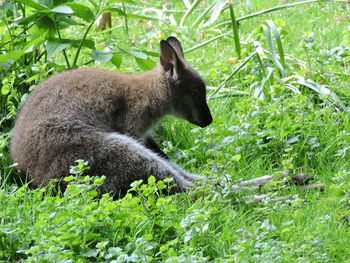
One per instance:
(206, 122)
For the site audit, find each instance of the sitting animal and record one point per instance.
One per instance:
(104, 117)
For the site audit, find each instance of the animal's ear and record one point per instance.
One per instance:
(175, 43)
(169, 59)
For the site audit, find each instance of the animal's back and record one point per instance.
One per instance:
(63, 114)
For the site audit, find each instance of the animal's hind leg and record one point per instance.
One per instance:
(151, 144)
(123, 160)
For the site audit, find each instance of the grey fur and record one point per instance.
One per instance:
(104, 117)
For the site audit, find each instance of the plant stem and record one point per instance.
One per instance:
(126, 21)
(81, 44)
(205, 43)
(59, 36)
(232, 74)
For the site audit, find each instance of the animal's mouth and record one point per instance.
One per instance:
(203, 123)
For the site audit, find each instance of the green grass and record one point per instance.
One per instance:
(250, 137)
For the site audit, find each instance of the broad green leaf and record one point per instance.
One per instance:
(53, 47)
(29, 47)
(57, 67)
(117, 60)
(151, 53)
(11, 56)
(134, 16)
(29, 19)
(63, 9)
(44, 26)
(145, 64)
(5, 89)
(93, 2)
(137, 54)
(151, 180)
(5, 34)
(81, 11)
(49, 3)
(33, 4)
(86, 43)
(67, 21)
(113, 9)
(101, 56)
(75, 43)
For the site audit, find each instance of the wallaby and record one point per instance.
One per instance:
(105, 117)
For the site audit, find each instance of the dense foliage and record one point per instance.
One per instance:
(277, 76)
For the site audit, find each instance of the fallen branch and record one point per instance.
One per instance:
(300, 180)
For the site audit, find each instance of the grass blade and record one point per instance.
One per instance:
(189, 11)
(249, 5)
(231, 75)
(277, 8)
(235, 31)
(278, 41)
(205, 43)
(293, 88)
(275, 58)
(216, 11)
(125, 21)
(187, 3)
(259, 91)
(202, 16)
(326, 94)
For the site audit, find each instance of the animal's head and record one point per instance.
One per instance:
(187, 88)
